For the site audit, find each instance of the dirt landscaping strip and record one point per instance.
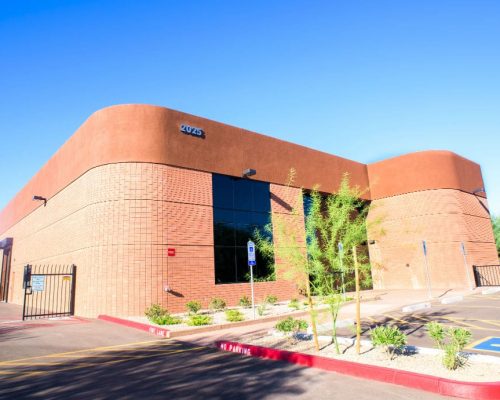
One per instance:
(442, 386)
(175, 331)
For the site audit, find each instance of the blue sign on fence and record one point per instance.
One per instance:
(38, 283)
(488, 344)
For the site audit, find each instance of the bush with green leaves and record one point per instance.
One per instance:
(167, 319)
(160, 316)
(390, 338)
(437, 333)
(199, 319)
(261, 309)
(155, 311)
(245, 302)
(294, 303)
(271, 299)
(452, 341)
(234, 315)
(217, 304)
(193, 306)
(291, 325)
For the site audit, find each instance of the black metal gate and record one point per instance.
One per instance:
(487, 275)
(49, 291)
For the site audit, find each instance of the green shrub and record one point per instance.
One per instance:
(245, 302)
(217, 304)
(155, 311)
(160, 316)
(460, 337)
(234, 315)
(261, 309)
(389, 337)
(199, 319)
(294, 303)
(289, 325)
(193, 306)
(166, 319)
(451, 359)
(271, 299)
(436, 333)
(452, 341)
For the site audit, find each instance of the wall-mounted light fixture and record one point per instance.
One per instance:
(249, 172)
(40, 198)
(479, 190)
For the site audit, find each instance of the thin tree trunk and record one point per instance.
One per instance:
(358, 305)
(334, 311)
(313, 314)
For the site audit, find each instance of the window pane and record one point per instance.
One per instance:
(264, 267)
(243, 234)
(243, 194)
(222, 188)
(224, 264)
(242, 269)
(243, 217)
(223, 215)
(261, 197)
(224, 234)
(240, 206)
(261, 218)
(307, 201)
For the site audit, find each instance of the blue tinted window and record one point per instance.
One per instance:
(241, 207)
(223, 191)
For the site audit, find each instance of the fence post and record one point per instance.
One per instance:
(26, 286)
(73, 286)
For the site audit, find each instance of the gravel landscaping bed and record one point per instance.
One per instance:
(219, 317)
(429, 364)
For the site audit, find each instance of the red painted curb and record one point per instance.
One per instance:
(442, 386)
(137, 325)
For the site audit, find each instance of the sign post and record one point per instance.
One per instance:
(251, 263)
(464, 253)
(341, 258)
(427, 275)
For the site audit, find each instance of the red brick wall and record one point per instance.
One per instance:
(444, 218)
(116, 223)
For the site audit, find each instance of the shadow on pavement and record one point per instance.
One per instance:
(174, 371)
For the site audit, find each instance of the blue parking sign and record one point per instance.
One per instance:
(251, 253)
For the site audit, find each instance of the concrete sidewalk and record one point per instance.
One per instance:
(10, 312)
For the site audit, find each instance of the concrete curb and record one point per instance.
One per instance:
(442, 386)
(162, 332)
(415, 307)
(491, 290)
(451, 299)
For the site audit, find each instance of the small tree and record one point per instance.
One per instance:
(334, 219)
(314, 260)
(284, 239)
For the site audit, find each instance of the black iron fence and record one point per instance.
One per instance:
(487, 275)
(49, 291)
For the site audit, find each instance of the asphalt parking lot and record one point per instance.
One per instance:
(169, 369)
(76, 358)
(477, 312)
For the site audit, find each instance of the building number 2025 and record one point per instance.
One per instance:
(190, 130)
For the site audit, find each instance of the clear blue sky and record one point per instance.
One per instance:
(364, 80)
